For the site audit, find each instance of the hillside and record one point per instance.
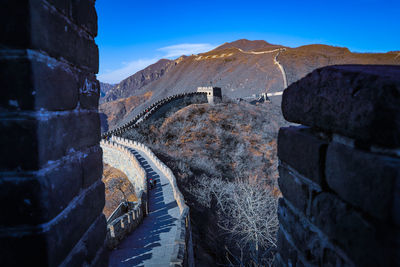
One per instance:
(118, 189)
(226, 142)
(240, 68)
(246, 45)
(300, 61)
(105, 88)
(111, 113)
(134, 84)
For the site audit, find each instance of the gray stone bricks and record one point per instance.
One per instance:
(357, 101)
(60, 38)
(30, 84)
(364, 179)
(50, 243)
(51, 163)
(340, 177)
(56, 138)
(296, 190)
(302, 150)
(312, 245)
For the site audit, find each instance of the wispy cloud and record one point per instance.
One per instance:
(185, 49)
(127, 70)
(173, 51)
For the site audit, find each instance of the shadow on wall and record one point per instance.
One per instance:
(138, 247)
(103, 122)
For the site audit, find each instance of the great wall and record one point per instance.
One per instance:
(339, 173)
(156, 110)
(160, 208)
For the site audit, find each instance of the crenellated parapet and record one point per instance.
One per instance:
(156, 110)
(128, 215)
(183, 248)
(340, 170)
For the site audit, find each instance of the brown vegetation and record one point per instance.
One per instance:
(228, 142)
(118, 189)
(116, 111)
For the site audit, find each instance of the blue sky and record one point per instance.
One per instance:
(134, 34)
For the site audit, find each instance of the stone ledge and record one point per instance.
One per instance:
(366, 180)
(357, 101)
(22, 134)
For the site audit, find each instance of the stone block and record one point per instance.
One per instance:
(49, 244)
(295, 190)
(288, 254)
(311, 244)
(92, 165)
(357, 101)
(90, 95)
(57, 133)
(44, 28)
(30, 84)
(87, 248)
(84, 14)
(301, 149)
(39, 197)
(365, 180)
(365, 243)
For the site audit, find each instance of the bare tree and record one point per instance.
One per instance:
(247, 212)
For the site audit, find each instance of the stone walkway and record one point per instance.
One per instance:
(152, 243)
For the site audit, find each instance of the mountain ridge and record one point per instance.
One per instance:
(243, 68)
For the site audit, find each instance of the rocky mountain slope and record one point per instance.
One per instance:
(134, 84)
(115, 111)
(240, 68)
(105, 88)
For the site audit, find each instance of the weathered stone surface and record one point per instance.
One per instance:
(364, 179)
(92, 165)
(89, 94)
(49, 244)
(295, 190)
(288, 254)
(364, 242)
(52, 38)
(309, 241)
(29, 84)
(357, 101)
(59, 134)
(302, 150)
(38, 197)
(87, 248)
(82, 12)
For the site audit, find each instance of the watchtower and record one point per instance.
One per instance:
(214, 94)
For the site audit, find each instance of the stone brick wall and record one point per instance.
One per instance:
(51, 162)
(157, 110)
(121, 158)
(123, 221)
(183, 249)
(340, 171)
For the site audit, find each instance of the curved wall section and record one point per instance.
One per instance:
(183, 250)
(128, 215)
